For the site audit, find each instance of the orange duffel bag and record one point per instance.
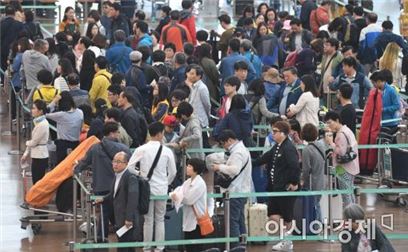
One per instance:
(43, 191)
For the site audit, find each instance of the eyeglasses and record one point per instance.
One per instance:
(118, 162)
(274, 131)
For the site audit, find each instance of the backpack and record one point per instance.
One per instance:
(291, 59)
(180, 28)
(144, 186)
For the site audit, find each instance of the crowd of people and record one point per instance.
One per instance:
(163, 90)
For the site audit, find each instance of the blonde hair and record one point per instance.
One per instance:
(390, 57)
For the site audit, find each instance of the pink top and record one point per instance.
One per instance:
(340, 148)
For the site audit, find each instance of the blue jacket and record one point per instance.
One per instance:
(359, 83)
(227, 67)
(16, 79)
(118, 57)
(179, 76)
(293, 96)
(256, 62)
(146, 40)
(387, 37)
(391, 104)
(238, 121)
(272, 92)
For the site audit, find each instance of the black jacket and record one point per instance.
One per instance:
(10, 30)
(287, 169)
(305, 11)
(135, 125)
(306, 39)
(125, 202)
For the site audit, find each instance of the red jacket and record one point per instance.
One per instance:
(188, 20)
(318, 17)
(175, 33)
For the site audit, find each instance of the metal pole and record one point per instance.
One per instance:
(183, 164)
(71, 246)
(59, 13)
(86, 9)
(329, 199)
(95, 229)
(74, 225)
(18, 111)
(227, 219)
(102, 224)
(357, 194)
(88, 218)
(10, 97)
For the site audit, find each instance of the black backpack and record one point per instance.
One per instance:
(144, 186)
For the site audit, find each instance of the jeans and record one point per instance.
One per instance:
(154, 218)
(346, 181)
(237, 217)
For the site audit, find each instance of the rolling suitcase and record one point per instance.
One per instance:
(173, 227)
(257, 219)
(304, 213)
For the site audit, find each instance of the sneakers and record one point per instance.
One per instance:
(283, 246)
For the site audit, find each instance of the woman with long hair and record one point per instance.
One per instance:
(63, 69)
(92, 30)
(307, 107)
(259, 18)
(248, 12)
(52, 54)
(99, 45)
(160, 105)
(390, 60)
(69, 22)
(271, 18)
(268, 47)
(238, 119)
(87, 72)
(37, 147)
(262, 8)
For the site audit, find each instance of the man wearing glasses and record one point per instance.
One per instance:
(283, 175)
(99, 160)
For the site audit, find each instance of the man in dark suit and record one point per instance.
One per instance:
(125, 196)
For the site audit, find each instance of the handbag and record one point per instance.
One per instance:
(349, 156)
(205, 222)
(225, 181)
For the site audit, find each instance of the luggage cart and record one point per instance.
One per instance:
(49, 214)
(387, 176)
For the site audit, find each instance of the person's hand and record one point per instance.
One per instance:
(290, 113)
(328, 138)
(56, 98)
(215, 167)
(24, 158)
(98, 200)
(331, 79)
(183, 144)
(172, 145)
(128, 224)
(292, 187)
(174, 197)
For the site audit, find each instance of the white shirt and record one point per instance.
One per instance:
(165, 170)
(117, 181)
(61, 84)
(194, 194)
(239, 155)
(306, 109)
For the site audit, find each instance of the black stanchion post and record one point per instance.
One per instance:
(226, 197)
(18, 118)
(88, 217)
(71, 246)
(357, 194)
(74, 222)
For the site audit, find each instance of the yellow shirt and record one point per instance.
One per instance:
(45, 93)
(99, 89)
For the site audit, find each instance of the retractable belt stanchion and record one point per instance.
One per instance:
(18, 119)
(75, 221)
(227, 223)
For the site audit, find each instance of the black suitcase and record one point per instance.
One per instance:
(399, 171)
(64, 196)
